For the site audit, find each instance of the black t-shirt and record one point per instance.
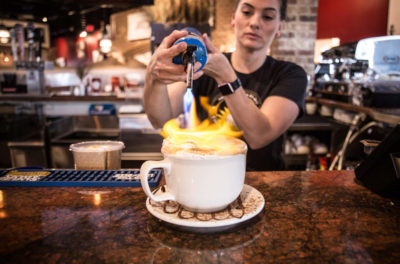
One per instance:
(274, 77)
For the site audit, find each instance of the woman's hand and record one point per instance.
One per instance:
(161, 68)
(218, 65)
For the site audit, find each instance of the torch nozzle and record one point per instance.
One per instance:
(189, 75)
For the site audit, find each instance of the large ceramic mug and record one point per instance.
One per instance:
(200, 180)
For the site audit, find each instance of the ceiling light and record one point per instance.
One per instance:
(44, 19)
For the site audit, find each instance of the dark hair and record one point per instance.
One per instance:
(282, 11)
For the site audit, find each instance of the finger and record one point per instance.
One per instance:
(170, 68)
(197, 75)
(177, 49)
(210, 47)
(171, 38)
(197, 66)
(170, 78)
(167, 54)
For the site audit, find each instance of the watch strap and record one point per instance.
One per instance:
(229, 88)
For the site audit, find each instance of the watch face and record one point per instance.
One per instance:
(226, 89)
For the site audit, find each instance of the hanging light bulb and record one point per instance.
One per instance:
(4, 34)
(105, 42)
(105, 45)
(83, 33)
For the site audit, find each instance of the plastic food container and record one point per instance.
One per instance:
(97, 155)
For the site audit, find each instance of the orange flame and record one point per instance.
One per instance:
(204, 133)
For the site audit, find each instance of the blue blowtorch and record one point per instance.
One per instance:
(195, 52)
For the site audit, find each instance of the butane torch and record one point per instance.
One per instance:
(195, 52)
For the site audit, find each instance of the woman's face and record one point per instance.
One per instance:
(256, 22)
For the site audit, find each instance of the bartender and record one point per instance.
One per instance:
(264, 95)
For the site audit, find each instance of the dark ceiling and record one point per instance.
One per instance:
(65, 16)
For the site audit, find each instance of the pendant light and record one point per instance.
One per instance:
(4, 34)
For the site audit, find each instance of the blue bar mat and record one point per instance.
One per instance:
(40, 177)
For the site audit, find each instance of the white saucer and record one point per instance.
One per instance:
(170, 212)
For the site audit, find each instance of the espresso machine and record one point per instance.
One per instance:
(334, 75)
(381, 86)
(365, 73)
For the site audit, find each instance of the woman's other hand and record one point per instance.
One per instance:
(218, 65)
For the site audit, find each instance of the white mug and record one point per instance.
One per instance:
(198, 183)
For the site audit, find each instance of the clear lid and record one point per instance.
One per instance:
(97, 146)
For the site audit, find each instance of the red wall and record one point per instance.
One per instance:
(352, 20)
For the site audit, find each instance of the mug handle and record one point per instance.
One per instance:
(144, 174)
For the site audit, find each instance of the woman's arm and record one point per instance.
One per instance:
(260, 126)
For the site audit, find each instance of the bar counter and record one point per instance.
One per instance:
(309, 217)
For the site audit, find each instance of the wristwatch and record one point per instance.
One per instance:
(229, 88)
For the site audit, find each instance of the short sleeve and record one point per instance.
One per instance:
(292, 84)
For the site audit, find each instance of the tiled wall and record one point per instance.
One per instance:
(297, 40)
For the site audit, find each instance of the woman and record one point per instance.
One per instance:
(264, 95)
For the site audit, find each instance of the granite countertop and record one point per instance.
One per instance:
(309, 217)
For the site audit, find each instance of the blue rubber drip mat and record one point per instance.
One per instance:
(40, 177)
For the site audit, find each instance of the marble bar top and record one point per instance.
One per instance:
(309, 217)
